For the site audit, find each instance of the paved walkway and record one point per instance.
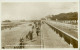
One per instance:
(52, 40)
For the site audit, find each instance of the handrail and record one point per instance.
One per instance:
(67, 37)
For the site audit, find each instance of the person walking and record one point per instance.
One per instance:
(37, 31)
(21, 43)
(30, 33)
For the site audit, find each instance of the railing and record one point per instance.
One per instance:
(71, 40)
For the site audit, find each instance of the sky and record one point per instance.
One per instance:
(35, 10)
